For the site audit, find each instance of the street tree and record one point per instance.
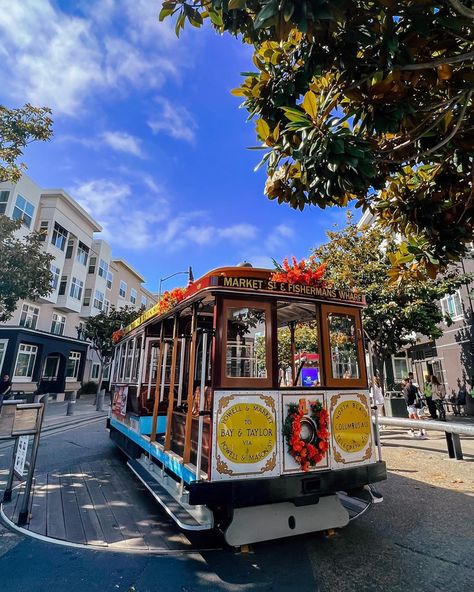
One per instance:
(99, 330)
(306, 341)
(25, 270)
(366, 101)
(18, 128)
(361, 259)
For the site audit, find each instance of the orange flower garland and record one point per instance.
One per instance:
(306, 454)
(302, 272)
(117, 335)
(170, 299)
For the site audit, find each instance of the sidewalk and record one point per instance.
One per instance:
(84, 410)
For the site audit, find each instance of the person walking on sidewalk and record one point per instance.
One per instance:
(409, 394)
(438, 397)
(5, 388)
(428, 392)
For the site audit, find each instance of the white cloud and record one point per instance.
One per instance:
(173, 120)
(123, 142)
(61, 60)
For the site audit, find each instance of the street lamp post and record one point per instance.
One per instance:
(189, 273)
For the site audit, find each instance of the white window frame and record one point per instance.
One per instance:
(95, 375)
(26, 214)
(59, 236)
(110, 279)
(99, 298)
(76, 288)
(3, 353)
(123, 289)
(56, 272)
(55, 375)
(459, 313)
(395, 376)
(143, 301)
(103, 268)
(30, 311)
(133, 295)
(4, 198)
(58, 321)
(75, 357)
(106, 306)
(31, 351)
(82, 253)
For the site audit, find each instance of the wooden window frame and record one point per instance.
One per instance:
(237, 381)
(329, 381)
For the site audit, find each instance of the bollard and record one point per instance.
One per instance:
(71, 404)
(100, 400)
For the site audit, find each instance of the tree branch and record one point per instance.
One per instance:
(435, 63)
(464, 10)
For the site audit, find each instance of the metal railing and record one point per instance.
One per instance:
(452, 430)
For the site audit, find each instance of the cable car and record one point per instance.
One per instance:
(220, 420)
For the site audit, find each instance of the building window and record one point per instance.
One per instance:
(76, 288)
(57, 324)
(99, 299)
(4, 195)
(29, 316)
(87, 297)
(143, 301)
(452, 306)
(3, 351)
(106, 306)
(103, 268)
(92, 263)
(70, 248)
(82, 253)
(62, 285)
(72, 366)
(95, 371)
(110, 279)
(106, 373)
(43, 231)
(133, 296)
(23, 211)
(25, 361)
(400, 367)
(55, 272)
(123, 289)
(51, 367)
(59, 236)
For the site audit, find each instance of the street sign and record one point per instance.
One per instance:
(20, 457)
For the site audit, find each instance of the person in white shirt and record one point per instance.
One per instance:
(376, 395)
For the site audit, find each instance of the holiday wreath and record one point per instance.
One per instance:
(307, 454)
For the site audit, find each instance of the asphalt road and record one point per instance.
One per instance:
(420, 539)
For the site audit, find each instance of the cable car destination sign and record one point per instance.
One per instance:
(327, 292)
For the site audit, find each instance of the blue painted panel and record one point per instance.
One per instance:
(145, 424)
(169, 462)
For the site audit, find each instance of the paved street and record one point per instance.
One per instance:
(420, 538)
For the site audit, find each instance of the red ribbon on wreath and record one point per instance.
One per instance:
(306, 454)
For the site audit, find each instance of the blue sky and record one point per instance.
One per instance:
(148, 137)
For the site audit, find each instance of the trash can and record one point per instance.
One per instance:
(395, 405)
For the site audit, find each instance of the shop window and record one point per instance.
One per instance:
(25, 362)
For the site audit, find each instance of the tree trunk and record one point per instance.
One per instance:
(380, 363)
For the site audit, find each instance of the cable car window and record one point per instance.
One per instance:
(246, 326)
(343, 346)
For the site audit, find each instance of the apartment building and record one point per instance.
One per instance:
(42, 346)
(451, 357)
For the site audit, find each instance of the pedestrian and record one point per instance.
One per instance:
(376, 395)
(461, 398)
(428, 393)
(5, 388)
(438, 395)
(409, 394)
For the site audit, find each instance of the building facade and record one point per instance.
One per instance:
(41, 345)
(451, 357)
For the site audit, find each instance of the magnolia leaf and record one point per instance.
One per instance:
(263, 129)
(236, 4)
(310, 104)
